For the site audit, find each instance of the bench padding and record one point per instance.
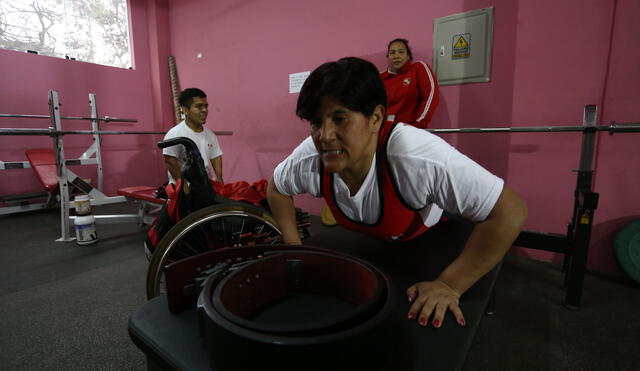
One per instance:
(144, 193)
(43, 163)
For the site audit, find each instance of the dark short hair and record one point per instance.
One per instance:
(406, 45)
(354, 82)
(186, 96)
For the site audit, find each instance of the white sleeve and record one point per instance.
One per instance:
(215, 149)
(466, 188)
(429, 170)
(300, 172)
(173, 151)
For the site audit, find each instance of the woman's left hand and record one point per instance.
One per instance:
(433, 299)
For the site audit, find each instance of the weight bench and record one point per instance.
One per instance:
(145, 196)
(43, 163)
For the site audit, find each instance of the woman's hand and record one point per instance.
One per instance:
(433, 299)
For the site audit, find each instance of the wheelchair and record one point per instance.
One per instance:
(222, 223)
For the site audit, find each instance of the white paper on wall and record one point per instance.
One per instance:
(296, 80)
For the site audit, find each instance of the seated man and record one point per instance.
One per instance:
(193, 103)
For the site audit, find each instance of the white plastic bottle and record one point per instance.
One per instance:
(86, 230)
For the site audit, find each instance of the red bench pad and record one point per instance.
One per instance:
(144, 193)
(43, 163)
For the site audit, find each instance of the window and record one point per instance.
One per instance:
(94, 31)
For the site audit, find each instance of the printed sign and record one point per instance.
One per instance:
(461, 46)
(296, 80)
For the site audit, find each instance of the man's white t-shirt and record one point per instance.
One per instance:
(207, 145)
(430, 175)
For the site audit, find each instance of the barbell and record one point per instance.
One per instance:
(104, 118)
(52, 132)
(612, 128)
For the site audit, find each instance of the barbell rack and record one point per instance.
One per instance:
(91, 156)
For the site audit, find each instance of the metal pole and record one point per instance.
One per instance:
(61, 168)
(588, 138)
(585, 203)
(613, 128)
(95, 125)
(105, 118)
(52, 132)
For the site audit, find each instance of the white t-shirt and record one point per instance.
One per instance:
(207, 145)
(430, 174)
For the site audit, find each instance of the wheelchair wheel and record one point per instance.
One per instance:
(210, 228)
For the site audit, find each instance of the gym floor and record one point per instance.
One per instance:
(66, 306)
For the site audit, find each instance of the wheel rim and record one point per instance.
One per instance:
(212, 231)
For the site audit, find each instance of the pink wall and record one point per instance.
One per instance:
(550, 59)
(25, 80)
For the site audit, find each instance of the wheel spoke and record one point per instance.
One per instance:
(185, 254)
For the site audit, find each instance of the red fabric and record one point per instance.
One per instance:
(239, 191)
(243, 191)
(43, 163)
(412, 94)
(167, 218)
(176, 204)
(397, 221)
(173, 191)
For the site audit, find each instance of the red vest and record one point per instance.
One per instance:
(397, 221)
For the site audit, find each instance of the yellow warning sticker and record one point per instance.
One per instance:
(584, 219)
(461, 43)
(461, 46)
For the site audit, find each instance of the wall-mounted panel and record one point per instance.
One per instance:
(462, 47)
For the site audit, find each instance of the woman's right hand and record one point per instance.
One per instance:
(432, 299)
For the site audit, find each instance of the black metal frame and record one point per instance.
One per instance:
(575, 244)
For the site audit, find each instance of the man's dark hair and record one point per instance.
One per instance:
(354, 82)
(186, 96)
(406, 45)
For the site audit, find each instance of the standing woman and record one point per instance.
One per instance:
(412, 90)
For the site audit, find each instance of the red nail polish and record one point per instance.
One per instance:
(462, 322)
(436, 323)
(411, 315)
(410, 298)
(423, 322)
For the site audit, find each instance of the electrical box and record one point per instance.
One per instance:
(462, 45)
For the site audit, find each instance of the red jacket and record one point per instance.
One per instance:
(397, 221)
(412, 94)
